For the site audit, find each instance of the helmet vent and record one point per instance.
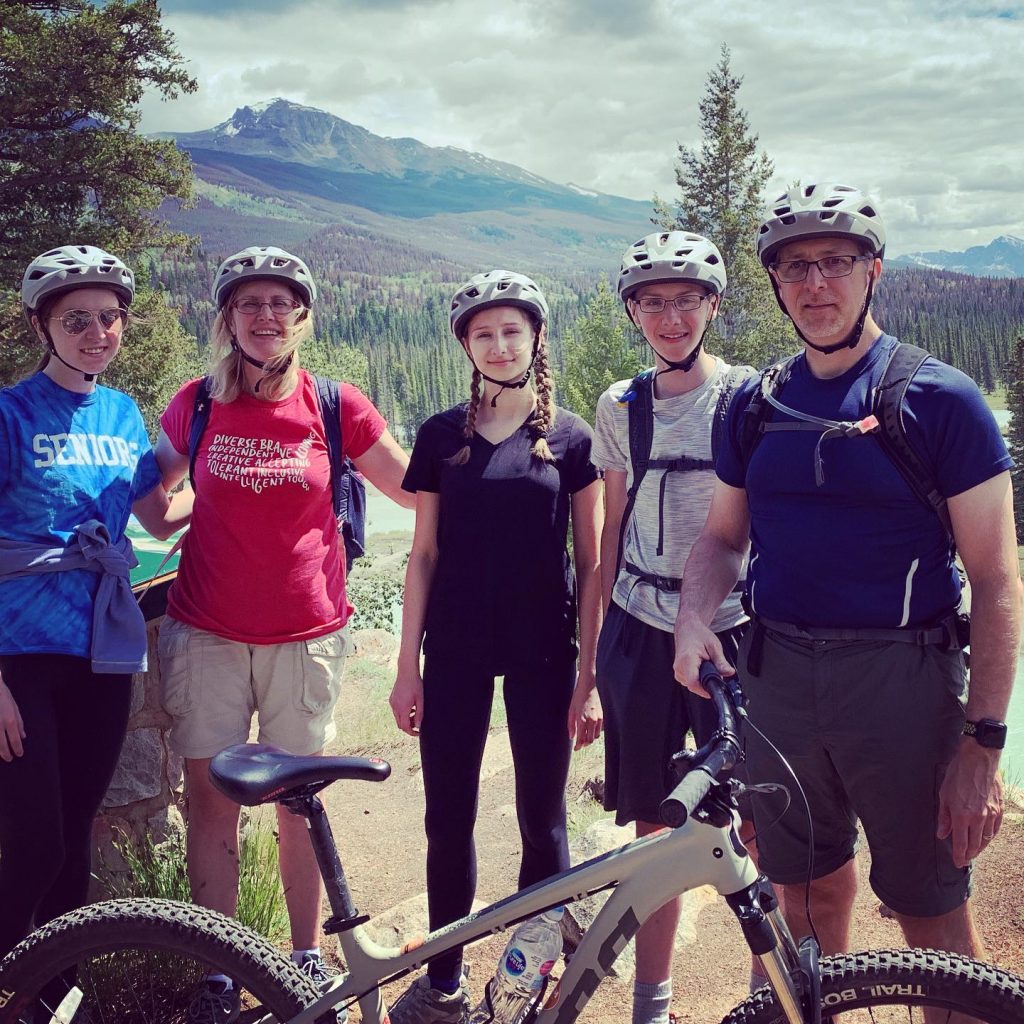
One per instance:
(788, 219)
(831, 202)
(781, 211)
(826, 215)
(503, 285)
(663, 239)
(868, 211)
(711, 258)
(809, 191)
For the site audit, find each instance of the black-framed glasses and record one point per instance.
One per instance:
(657, 304)
(279, 306)
(76, 321)
(792, 271)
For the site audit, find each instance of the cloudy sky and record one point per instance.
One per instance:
(919, 101)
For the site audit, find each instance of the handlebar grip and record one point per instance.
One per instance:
(689, 792)
(708, 673)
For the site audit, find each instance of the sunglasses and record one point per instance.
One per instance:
(75, 321)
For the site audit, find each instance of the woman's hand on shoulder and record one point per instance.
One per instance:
(586, 716)
(407, 701)
(12, 729)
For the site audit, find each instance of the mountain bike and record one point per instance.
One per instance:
(141, 960)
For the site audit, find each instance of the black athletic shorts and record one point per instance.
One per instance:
(646, 713)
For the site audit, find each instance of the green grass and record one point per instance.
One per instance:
(995, 399)
(367, 726)
(158, 870)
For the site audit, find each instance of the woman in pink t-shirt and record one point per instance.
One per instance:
(255, 617)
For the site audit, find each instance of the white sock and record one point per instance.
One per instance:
(651, 1001)
(221, 979)
(298, 955)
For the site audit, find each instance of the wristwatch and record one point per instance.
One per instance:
(988, 732)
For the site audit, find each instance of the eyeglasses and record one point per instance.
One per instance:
(656, 304)
(279, 306)
(76, 321)
(792, 271)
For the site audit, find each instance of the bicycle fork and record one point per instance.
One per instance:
(785, 964)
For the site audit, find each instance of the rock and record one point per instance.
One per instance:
(139, 772)
(379, 646)
(406, 923)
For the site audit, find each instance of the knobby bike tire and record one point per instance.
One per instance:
(152, 926)
(877, 987)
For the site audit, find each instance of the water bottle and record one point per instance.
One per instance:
(527, 961)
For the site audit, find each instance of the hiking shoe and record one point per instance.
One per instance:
(421, 1004)
(214, 1003)
(322, 974)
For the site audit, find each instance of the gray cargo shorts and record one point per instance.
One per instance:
(869, 727)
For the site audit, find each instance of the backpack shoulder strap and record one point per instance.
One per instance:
(887, 406)
(200, 417)
(759, 410)
(733, 379)
(639, 397)
(329, 398)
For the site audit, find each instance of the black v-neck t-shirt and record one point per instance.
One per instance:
(503, 592)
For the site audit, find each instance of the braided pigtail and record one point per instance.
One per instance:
(542, 421)
(461, 457)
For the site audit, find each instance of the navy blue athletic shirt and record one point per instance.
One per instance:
(861, 550)
(503, 591)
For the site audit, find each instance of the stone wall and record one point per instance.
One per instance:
(145, 795)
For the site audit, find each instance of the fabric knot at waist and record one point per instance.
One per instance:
(118, 625)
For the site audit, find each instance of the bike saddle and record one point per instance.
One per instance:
(255, 773)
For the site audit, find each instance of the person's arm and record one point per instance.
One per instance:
(585, 715)
(407, 694)
(971, 795)
(173, 465)
(162, 514)
(12, 729)
(614, 507)
(384, 464)
(711, 572)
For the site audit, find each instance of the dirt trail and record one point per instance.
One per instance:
(380, 834)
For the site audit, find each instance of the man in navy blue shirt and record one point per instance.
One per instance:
(851, 667)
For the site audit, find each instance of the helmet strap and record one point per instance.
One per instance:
(514, 385)
(261, 364)
(684, 365)
(89, 377)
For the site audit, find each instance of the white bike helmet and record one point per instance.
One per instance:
(667, 256)
(75, 266)
(496, 288)
(262, 261)
(825, 210)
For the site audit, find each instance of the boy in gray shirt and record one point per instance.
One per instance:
(672, 284)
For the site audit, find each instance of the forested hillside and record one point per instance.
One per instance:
(390, 300)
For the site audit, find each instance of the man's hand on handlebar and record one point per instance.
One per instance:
(695, 643)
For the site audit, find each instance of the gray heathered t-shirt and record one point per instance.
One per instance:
(682, 426)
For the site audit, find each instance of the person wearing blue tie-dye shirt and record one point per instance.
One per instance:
(75, 461)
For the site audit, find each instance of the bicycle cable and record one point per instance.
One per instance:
(810, 824)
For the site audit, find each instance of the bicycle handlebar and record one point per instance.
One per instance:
(723, 754)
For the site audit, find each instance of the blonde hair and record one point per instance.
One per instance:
(540, 424)
(227, 364)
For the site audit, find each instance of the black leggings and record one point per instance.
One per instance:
(457, 708)
(74, 727)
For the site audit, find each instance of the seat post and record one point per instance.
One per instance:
(344, 913)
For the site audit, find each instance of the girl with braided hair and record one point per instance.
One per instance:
(489, 592)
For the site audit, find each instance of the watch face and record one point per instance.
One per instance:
(988, 732)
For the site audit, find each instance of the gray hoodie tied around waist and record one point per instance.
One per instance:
(118, 625)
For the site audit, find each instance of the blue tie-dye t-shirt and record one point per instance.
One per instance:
(64, 458)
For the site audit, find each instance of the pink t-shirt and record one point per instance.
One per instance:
(262, 562)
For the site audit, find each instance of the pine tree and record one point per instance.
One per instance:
(601, 349)
(1015, 433)
(722, 197)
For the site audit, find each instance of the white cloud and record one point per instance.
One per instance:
(919, 100)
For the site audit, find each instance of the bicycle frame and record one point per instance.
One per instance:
(642, 876)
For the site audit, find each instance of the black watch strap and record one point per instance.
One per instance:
(988, 732)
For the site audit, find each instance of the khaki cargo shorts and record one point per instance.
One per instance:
(211, 687)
